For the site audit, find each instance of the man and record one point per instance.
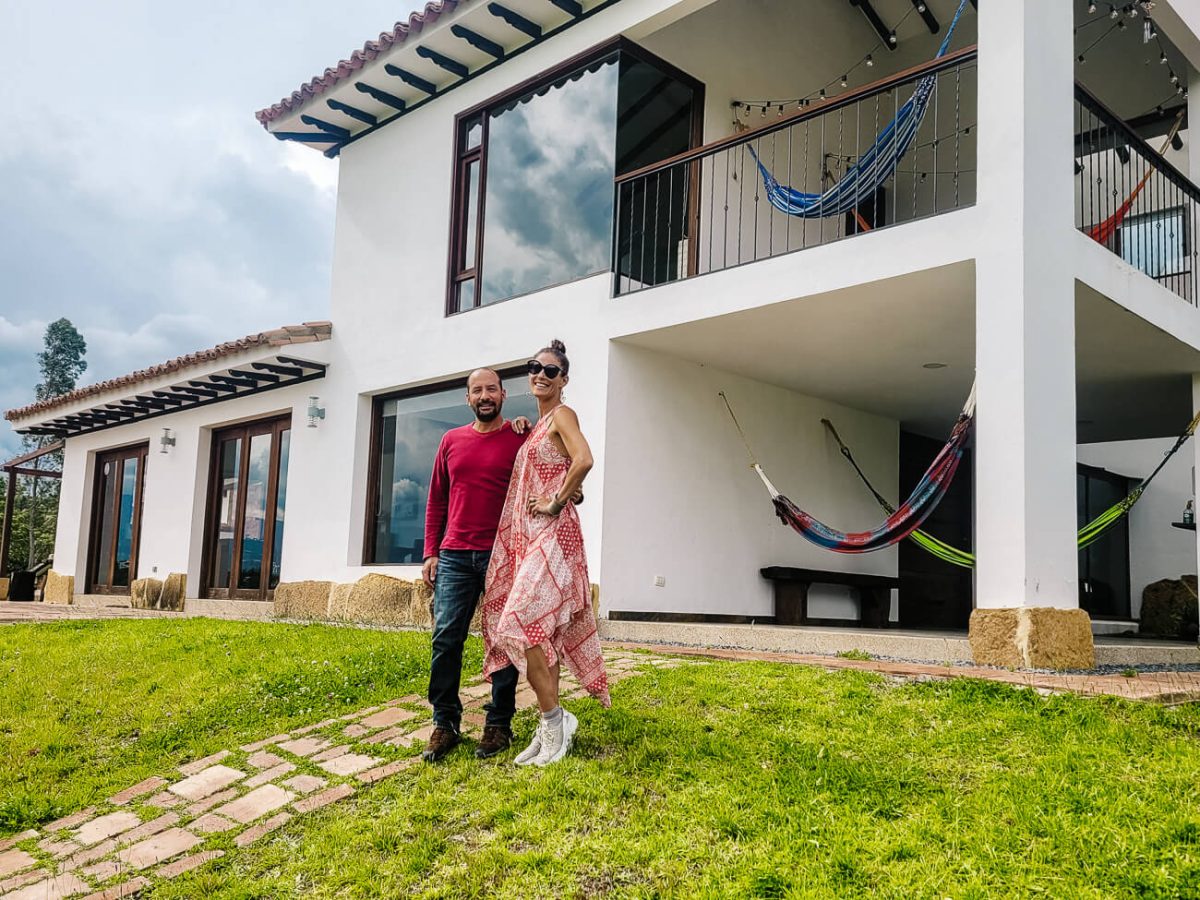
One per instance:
(470, 478)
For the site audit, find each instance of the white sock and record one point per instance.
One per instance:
(553, 718)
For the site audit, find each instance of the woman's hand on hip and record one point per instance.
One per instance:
(543, 506)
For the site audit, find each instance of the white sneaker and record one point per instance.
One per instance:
(527, 756)
(556, 742)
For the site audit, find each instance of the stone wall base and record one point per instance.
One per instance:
(3, 588)
(1032, 638)
(60, 589)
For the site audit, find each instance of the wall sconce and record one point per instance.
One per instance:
(314, 412)
(167, 439)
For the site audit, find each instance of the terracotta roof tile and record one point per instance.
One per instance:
(277, 337)
(416, 22)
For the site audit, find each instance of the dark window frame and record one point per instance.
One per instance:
(463, 158)
(374, 457)
(121, 454)
(274, 426)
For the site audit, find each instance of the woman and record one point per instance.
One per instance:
(537, 609)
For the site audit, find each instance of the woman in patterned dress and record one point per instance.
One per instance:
(537, 606)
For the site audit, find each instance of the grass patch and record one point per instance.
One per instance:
(714, 780)
(88, 708)
(855, 653)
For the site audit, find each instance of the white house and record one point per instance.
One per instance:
(517, 170)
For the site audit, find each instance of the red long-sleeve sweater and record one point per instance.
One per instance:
(466, 491)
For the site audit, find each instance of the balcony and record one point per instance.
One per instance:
(713, 208)
(1131, 199)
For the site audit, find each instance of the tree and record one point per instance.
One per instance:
(61, 362)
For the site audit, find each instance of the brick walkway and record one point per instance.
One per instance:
(158, 829)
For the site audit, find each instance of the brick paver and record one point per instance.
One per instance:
(72, 820)
(393, 715)
(56, 888)
(199, 765)
(250, 835)
(304, 784)
(188, 863)
(207, 782)
(304, 746)
(96, 830)
(17, 838)
(270, 774)
(255, 804)
(264, 760)
(349, 764)
(14, 861)
(169, 843)
(118, 891)
(316, 801)
(143, 787)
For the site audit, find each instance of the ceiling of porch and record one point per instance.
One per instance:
(868, 347)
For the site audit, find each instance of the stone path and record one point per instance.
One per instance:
(161, 828)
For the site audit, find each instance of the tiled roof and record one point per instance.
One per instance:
(359, 58)
(277, 337)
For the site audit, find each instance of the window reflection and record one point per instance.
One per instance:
(551, 159)
(409, 430)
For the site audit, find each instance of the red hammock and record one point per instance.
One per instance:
(1103, 232)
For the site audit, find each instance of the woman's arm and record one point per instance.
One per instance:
(566, 427)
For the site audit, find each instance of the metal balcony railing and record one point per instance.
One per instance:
(1132, 200)
(707, 210)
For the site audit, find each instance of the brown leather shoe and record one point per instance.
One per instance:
(495, 740)
(442, 741)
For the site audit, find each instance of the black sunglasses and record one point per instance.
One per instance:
(552, 371)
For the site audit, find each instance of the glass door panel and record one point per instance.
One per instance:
(123, 563)
(229, 468)
(246, 500)
(116, 520)
(254, 526)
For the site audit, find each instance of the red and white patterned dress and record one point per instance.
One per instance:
(537, 591)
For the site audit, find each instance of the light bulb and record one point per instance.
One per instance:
(845, 80)
(870, 60)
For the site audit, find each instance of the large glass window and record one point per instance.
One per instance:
(1156, 242)
(534, 177)
(407, 432)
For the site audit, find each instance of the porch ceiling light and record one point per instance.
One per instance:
(933, 365)
(314, 412)
(165, 440)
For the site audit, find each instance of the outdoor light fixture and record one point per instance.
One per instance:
(314, 412)
(167, 439)
(933, 365)
(1122, 151)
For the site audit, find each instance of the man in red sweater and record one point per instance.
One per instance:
(470, 478)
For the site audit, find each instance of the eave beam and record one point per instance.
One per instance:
(570, 7)
(516, 20)
(382, 96)
(410, 79)
(352, 111)
(478, 41)
(453, 66)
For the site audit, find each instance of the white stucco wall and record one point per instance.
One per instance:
(684, 504)
(1156, 550)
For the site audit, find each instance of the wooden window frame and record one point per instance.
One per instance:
(274, 426)
(374, 458)
(462, 159)
(140, 452)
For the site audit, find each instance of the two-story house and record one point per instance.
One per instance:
(830, 210)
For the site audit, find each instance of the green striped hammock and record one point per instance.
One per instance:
(1088, 534)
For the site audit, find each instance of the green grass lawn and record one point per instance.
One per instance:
(713, 780)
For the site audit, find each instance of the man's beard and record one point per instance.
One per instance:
(487, 416)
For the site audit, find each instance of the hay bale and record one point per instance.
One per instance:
(174, 592)
(379, 599)
(302, 600)
(144, 593)
(59, 589)
(1169, 608)
(421, 606)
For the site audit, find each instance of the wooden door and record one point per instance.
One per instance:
(116, 521)
(246, 500)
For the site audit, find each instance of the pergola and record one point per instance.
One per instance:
(14, 468)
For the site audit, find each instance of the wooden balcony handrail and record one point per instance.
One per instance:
(949, 61)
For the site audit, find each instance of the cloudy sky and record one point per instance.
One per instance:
(139, 197)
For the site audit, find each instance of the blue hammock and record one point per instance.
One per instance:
(873, 168)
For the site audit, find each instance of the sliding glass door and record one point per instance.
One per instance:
(247, 493)
(116, 520)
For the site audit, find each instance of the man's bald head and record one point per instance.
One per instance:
(485, 394)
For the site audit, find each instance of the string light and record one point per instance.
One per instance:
(870, 60)
(1091, 9)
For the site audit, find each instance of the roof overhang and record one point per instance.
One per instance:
(435, 51)
(199, 389)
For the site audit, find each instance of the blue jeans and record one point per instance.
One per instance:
(457, 589)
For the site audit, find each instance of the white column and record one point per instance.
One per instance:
(1193, 132)
(1025, 309)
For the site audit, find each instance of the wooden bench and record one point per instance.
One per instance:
(791, 593)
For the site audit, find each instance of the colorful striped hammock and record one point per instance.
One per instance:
(901, 522)
(873, 168)
(1088, 534)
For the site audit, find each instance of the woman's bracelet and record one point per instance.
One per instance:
(557, 504)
